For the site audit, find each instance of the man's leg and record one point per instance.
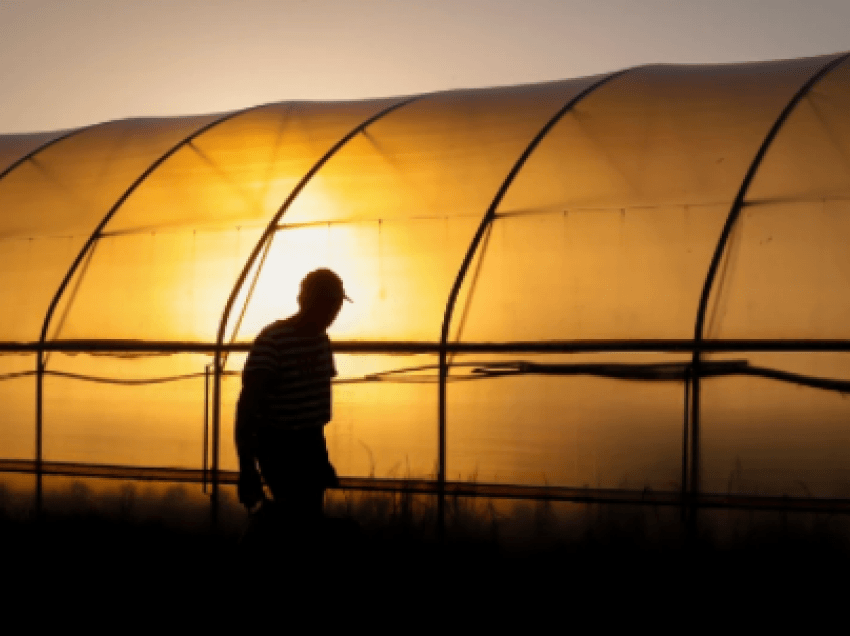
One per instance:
(295, 467)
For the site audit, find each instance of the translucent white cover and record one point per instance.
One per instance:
(605, 234)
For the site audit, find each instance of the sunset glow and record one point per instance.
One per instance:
(632, 278)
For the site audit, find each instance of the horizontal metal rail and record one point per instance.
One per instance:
(645, 497)
(649, 372)
(413, 347)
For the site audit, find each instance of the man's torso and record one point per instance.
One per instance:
(301, 367)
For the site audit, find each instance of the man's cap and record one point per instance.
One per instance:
(323, 282)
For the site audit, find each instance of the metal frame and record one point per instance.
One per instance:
(39, 367)
(86, 252)
(489, 215)
(691, 375)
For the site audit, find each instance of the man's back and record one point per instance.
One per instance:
(299, 364)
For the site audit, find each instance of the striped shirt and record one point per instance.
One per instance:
(299, 394)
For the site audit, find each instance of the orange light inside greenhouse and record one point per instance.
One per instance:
(528, 267)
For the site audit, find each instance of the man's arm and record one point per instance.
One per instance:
(248, 416)
(249, 411)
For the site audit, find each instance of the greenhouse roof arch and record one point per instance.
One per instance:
(721, 82)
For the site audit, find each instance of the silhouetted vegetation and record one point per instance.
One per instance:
(129, 538)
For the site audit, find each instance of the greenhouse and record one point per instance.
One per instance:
(629, 282)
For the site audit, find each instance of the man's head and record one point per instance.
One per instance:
(321, 298)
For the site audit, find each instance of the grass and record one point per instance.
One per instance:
(128, 535)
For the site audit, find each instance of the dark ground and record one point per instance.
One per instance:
(385, 550)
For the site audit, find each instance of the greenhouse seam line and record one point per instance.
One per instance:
(40, 362)
(720, 249)
(358, 221)
(266, 236)
(752, 203)
(46, 145)
(489, 215)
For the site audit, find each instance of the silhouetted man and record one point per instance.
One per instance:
(286, 402)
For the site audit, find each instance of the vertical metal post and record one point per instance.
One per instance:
(216, 433)
(693, 491)
(685, 428)
(206, 443)
(40, 364)
(39, 426)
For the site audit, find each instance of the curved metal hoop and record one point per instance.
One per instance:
(734, 213)
(86, 251)
(45, 146)
(467, 261)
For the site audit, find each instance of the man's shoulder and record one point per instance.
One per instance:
(277, 329)
(289, 333)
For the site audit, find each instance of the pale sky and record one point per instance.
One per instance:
(69, 63)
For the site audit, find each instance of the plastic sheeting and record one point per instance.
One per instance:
(603, 238)
(54, 201)
(566, 429)
(764, 437)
